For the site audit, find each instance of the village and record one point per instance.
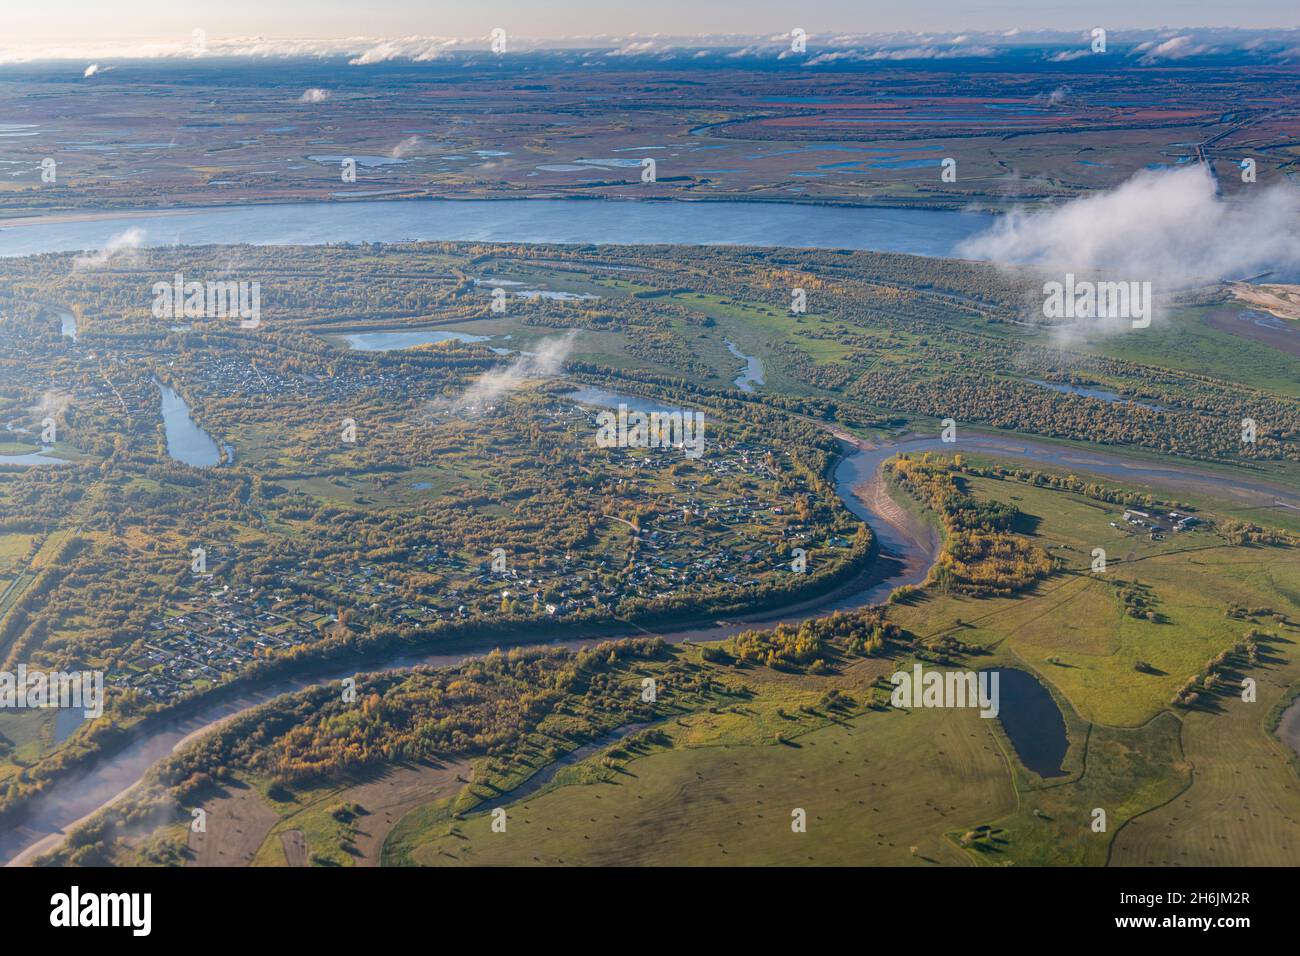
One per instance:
(715, 528)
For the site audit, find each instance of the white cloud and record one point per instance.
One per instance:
(904, 53)
(1054, 98)
(1065, 56)
(1175, 48)
(52, 405)
(91, 70)
(494, 384)
(1166, 227)
(1155, 45)
(314, 95)
(417, 49)
(122, 245)
(404, 148)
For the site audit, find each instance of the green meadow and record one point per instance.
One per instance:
(945, 787)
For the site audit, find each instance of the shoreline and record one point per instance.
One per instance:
(857, 591)
(99, 213)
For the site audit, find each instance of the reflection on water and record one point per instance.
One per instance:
(1032, 720)
(388, 341)
(186, 442)
(66, 721)
(1266, 320)
(32, 458)
(753, 373)
(926, 232)
(603, 398)
(1100, 394)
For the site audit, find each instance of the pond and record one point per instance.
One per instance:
(1100, 394)
(67, 325)
(1033, 721)
(388, 341)
(753, 372)
(32, 458)
(186, 442)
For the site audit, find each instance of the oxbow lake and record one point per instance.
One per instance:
(186, 441)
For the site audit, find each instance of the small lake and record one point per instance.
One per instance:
(66, 722)
(926, 232)
(186, 441)
(365, 161)
(1289, 727)
(753, 373)
(603, 398)
(1100, 394)
(389, 341)
(32, 458)
(1032, 720)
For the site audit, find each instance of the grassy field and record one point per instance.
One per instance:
(1186, 340)
(943, 786)
(878, 788)
(1073, 628)
(717, 778)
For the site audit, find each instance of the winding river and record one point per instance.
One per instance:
(907, 550)
(908, 546)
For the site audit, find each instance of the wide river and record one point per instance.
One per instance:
(907, 547)
(922, 232)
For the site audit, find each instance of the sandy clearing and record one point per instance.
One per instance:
(391, 796)
(237, 825)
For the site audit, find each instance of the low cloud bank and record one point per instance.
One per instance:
(1168, 228)
(1144, 47)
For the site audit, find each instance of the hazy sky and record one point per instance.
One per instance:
(76, 22)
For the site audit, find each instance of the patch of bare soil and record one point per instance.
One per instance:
(1276, 332)
(875, 494)
(295, 847)
(237, 824)
(393, 794)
